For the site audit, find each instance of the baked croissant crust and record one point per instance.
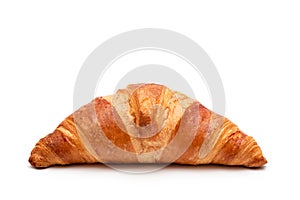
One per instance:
(146, 123)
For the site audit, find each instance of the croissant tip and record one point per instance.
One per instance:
(257, 162)
(39, 158)
(37, 161)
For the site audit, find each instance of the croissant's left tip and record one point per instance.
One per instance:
(37, 160)
(41, 157)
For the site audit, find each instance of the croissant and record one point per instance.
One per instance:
(146, 123)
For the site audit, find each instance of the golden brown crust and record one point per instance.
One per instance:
(62, 147)
(119, 129)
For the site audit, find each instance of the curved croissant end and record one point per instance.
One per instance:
(62, 147)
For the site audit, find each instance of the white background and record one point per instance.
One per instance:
(254, 44)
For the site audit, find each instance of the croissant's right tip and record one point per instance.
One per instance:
(261, 162)
(257, 162)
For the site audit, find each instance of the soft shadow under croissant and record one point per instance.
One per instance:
(146, 123)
